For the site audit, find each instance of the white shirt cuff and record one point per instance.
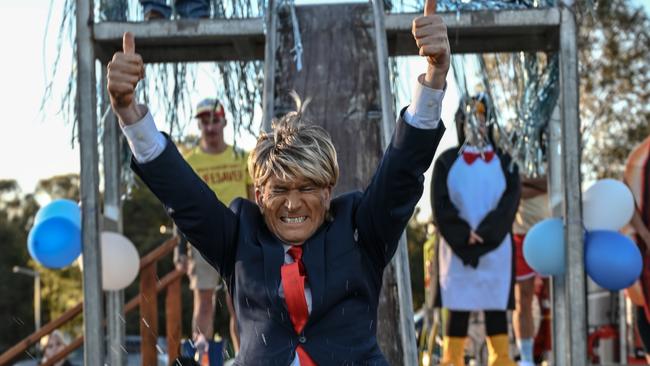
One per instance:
(426, 106)
(144, 139)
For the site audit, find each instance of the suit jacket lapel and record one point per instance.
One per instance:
(313, 258)
(273, 253)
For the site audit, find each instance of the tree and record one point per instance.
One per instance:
(416, 234)
(60, 186)
(16, 304)
(614, 43)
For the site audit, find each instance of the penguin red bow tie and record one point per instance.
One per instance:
(470, 157)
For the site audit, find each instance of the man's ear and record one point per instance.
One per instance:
(258, 196)
(327, 197)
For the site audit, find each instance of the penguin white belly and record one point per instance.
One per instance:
(475, 190)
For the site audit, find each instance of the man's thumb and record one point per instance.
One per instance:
(430, 7)
(128, 43)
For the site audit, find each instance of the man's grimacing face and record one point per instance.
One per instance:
(293, 210)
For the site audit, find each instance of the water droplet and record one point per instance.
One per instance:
(18, 321)
(264, 339)
(347, 285)
(268, 313)
(371, 324)
(342, 311)
(247, 303)
(30, 355)
(145, 322)
(159, 349)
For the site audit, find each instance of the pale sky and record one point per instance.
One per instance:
(30, 147)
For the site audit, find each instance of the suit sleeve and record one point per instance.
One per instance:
(498, 223)
(205, 221)
(388, 202)
(446, 217)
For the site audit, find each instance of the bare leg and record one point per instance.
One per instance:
(523, 323)
(203, 316)
(522, 319)
(234, 334)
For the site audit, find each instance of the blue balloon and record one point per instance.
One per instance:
(544, 247)
(612, 260)
(55, 242)
(63, 208)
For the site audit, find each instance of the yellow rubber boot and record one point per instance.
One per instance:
(499, 351)
(453, 351)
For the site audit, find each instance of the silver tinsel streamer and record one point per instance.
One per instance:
(523, 90)
(472, 5)
(406, 6)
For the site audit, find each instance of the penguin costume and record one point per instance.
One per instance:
(475, 195)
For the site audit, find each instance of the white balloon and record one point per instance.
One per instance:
(120, 261)
(607, 205)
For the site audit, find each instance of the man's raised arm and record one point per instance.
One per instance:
(124, 71)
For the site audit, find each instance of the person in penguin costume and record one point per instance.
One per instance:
(475, 193)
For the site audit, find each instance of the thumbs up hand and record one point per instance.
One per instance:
(124, 71)
(430, 34)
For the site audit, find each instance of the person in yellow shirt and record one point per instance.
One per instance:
(225, 170)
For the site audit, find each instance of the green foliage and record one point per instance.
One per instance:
(61, 290)
(614, 44)
(416, 234)
(16, 290)
(60, 186)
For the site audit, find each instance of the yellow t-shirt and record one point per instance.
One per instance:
(226, 173)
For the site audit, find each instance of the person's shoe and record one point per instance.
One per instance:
(453, 353)
(499, 351)
(154, 15)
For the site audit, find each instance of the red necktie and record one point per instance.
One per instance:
(293, 283)
(470, 157)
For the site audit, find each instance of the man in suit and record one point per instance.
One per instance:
(304, 270)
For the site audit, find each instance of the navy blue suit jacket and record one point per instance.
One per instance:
(344, 259)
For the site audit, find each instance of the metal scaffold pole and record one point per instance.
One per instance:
(87, 122)
(575, 285)
(112, 221)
